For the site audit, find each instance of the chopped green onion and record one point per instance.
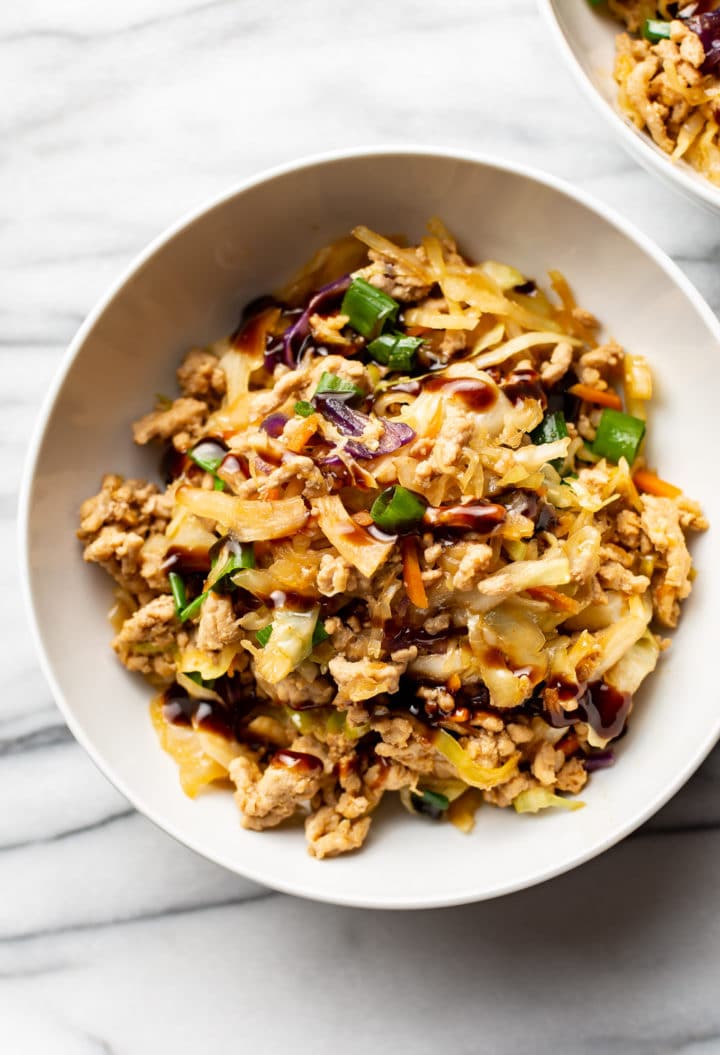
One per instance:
(396, 509)
(654, 30)
(177, 586)
(304, 409)
(368, 308)
(209, 454)
(193, 608)
(263, 634)
(208, 462)
(196, 676)
(320, 634)
(241, 555)
(431, 803)
(551, 428)
(331, 383)
(619, 435)
(395, 350)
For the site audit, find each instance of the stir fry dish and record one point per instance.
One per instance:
(409, 542)
(667, 69)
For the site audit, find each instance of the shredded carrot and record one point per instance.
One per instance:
(412, 577)
(304, 432)
(606, 398)
(558, 600)
(273, 494)
(417, 331)
(435, 423)
(453, 683)
(569, 744)
(651, 484)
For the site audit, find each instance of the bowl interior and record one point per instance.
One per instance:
(587, 39)
(188, 289)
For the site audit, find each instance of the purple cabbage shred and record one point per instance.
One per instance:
(288, 351)
(601, 760)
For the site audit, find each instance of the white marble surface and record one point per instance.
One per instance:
(117, 118)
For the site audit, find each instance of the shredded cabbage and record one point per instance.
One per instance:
(467, 769)
(535, 799)
(289, 644)
(250, 520)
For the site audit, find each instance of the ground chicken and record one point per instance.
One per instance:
(364, 678)
(546, 763)
(335, 576)
(148, 640)
(572, 777)
(123, 528)
(218, 626)
(475, 562)
(403, 744)
(329, 833)
(200, 376)
(270, 797)
(397, 280)
(181, 422)
(660, 521)
(296, 690)
(555, 368)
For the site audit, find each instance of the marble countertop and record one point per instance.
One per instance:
(116, 119)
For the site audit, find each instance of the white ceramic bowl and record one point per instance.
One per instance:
(586, 38)
(187, 288)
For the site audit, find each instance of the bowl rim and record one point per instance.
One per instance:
(696, 187)
(258, 874)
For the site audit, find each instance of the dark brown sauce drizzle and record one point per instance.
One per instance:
(475, 393)
(479, 516)
(223, 718)
(603, 707)
(300, 761)
(187, 561)
(524, 383)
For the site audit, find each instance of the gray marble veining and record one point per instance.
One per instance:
(114, 120)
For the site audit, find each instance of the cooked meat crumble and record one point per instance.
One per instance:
(408, 542)
(666, 68)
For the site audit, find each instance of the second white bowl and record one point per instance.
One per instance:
(586, 40)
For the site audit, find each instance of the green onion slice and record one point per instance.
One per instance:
(619, 435)
(320, 634)
(233, 556)
(196, 676)
(331, 384)
(430, 801)
(205, 454)
(177, 586)
(263, 634)
(655, 29)
(396, 509)
(395, 350)
(552, 427)
(304, 409)
(194, 607)
(368, 308)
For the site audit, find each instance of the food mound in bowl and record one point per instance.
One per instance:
(667, 70)
(409, 542)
